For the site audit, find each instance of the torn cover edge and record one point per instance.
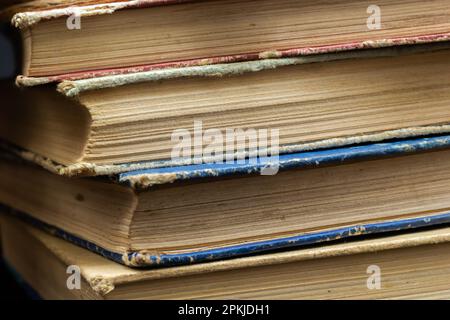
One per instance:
(146, 178)
(237, 64)
(140, 174)
(24, 20)
(146, 259)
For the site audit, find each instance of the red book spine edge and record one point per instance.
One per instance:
(287, 53)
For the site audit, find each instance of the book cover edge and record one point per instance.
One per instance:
(32, 14)
(256, 62)
(333, 151)
(143, 259)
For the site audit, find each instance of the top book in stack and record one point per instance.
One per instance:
(111, 36)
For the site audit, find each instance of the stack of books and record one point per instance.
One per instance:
(248, 149)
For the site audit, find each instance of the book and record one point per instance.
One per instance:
(410, 266)
(314, 102)
(191, 214)
(144, 34)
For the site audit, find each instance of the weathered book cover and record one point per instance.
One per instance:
(73, 89)
(104, 277)
(149, 177)
(34, 12)
(11, 7)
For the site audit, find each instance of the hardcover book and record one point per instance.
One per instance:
(129, 36)
(313, 102)
(413, 266)
(190, 214)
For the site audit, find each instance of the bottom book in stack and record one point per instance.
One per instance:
(397, 266)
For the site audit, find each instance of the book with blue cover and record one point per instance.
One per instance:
(189, 214)
(341, 270)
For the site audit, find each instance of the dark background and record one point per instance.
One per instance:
(9, 68)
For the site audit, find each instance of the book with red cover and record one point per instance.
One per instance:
(134, 36)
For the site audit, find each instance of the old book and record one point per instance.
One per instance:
(358, 96)
(411, 266)
(147, 33)
(8, 8)
(190, 214)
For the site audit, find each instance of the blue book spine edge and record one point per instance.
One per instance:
(287, 161)
(310, 159)
(144, 259)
